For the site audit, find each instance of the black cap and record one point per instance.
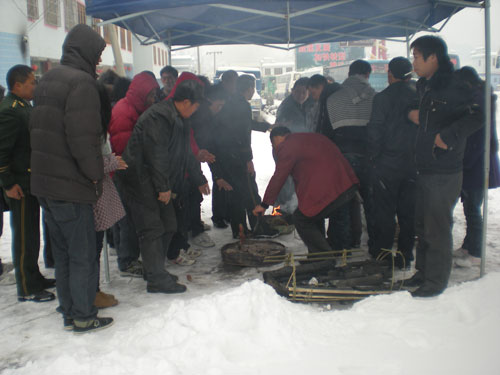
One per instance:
(400, 67)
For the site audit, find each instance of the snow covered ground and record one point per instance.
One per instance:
(230, 322)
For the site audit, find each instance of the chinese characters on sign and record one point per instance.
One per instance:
(326, 54)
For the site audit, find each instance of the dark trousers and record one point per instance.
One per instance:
(125, 237)
(243, 198)
(187, 206)
(393, 194)
(25, 225)
(358, 164)
(194, 210)
(472, 201)
(219, 203)
(436, 197)
(312, 229)
(73, 239)
(155, 223)
(48, 258)
(356, 222)
(350, 226)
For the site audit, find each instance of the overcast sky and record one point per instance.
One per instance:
(463, 33)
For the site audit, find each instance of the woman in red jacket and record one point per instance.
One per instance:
(141, 94)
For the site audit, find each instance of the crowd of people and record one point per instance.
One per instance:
(123, 157)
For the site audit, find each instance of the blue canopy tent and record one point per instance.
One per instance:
(289, 24)
(194, 23)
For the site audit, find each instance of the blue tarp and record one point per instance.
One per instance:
(202, 22)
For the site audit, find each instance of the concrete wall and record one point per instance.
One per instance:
(143, 57)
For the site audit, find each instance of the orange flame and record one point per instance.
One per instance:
(276, 211)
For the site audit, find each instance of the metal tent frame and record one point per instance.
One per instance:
(290, 24)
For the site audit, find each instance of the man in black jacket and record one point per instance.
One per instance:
(233, 152)
(446, 116)
(67, 171)
(159, 155)
(392, 173)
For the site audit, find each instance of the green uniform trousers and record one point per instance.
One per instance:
(25, 226)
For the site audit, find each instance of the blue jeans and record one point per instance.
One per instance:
(73, 239)
(472, 201)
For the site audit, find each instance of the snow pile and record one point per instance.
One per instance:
(251, 330)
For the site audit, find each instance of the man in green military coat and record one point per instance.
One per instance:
(15, 154)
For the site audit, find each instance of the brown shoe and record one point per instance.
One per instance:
(103, 300)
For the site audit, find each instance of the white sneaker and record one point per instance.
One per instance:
(183, 259)
(193, 254)
(461, 253)
(467, 262)
(202, 240)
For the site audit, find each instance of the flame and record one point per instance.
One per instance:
(276, 211)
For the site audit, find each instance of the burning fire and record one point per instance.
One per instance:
(276, 211)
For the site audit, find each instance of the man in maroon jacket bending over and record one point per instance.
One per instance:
(324, 183)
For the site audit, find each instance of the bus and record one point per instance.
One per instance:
(284, 84)
(276, 68)
(378, 76)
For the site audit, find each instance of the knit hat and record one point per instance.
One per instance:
(400, 67)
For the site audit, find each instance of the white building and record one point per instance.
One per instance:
(32, 32)
(14, 47)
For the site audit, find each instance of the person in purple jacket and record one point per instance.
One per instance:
(472, 194)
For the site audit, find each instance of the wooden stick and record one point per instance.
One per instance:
(338, 291)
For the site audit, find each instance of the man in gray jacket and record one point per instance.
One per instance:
(67, 171)
(349, 110)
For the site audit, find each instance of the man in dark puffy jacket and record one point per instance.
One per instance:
(159, 155)
(67, 170)
(446, 116)
(392, 173)
(141, 94)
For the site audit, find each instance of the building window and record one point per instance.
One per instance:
(278, 71)
(51, 12)
(70, 14)
(32, 9)
(267, 71)
(123, 38)
(129, 41)
(82, 17)
(289, 69)
(154, 55)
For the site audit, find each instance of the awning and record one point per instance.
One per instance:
(201, 22)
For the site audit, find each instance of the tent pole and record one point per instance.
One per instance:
(487, 109)
(407, 44)
(169, 49)
(105, 256)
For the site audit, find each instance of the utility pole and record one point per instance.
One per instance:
(215, 53)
